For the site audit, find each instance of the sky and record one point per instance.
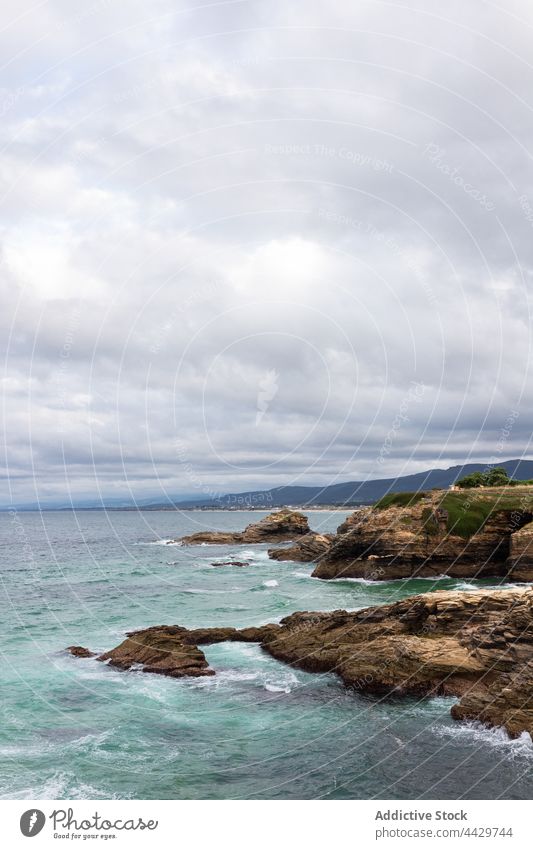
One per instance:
(249, 243)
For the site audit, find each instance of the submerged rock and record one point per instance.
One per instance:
(80, 651)
(241, 563)
(476, 645)
(281, 526)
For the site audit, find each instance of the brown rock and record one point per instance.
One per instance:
(309, 548)
(414, 541)
(231, 563)
(476, 645)
(354, 519)
(80, 651)
(521, 554)
(508, 702)
(281, 526)
(162, 650)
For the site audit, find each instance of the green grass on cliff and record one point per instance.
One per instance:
(399, 499)
(466, 516)
(468, 512)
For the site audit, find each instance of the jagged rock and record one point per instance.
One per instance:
(521, 554)
(507, 702)
(281, 526)
(172, 650)
(309, 548)
(402, 542)
(231, 563)
(80, 651)
(476, 645)
(353, 520)
(163, 650)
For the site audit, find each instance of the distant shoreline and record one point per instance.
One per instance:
(322, 509)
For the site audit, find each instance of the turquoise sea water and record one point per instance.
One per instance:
(72, 728)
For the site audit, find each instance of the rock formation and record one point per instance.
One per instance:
(309, 548)
(241, 563)
(521, 554)
(475, 645)
(80, 651)
(488, 536)
(281, 526)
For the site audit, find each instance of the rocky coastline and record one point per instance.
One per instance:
(462, 535)
(475, 645)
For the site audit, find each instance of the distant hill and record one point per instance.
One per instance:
(339, 494)
(355, 492)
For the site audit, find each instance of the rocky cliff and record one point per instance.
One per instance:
(475, 645)
(466, 535)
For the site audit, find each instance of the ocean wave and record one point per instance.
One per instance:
(265, 680)
(260, 554)
(275, 688)
(195, 591)
(169, 541)
(88, 742)
(235, 679)
(252, 651)
(60, 785)
(476, 732)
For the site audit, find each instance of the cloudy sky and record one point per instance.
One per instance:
(249, 243)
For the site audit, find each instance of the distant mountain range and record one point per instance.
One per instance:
(339, 494)
(354, 492)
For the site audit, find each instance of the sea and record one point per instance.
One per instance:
(75, 728)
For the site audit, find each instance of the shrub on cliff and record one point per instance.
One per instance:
(493, 477)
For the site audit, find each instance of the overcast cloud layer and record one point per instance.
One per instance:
(253, 243)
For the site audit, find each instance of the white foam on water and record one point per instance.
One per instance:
(273, 681)
(476, 732)
(194, 591)
(355, 580)
(274, 688)
(442, 577)
(253, 554)
(469, 587)
(161, 542)
(252, 651)
(270, 584)
(100, 670)
(222, 679)
(60, 786)
(282, 682)
(90, 741)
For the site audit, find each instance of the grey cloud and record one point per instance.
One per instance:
(328, 198)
